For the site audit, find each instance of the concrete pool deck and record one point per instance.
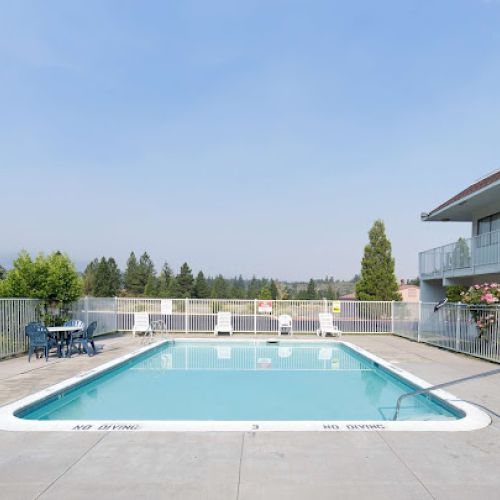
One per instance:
(254, 465)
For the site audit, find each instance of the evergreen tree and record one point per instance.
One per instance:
(146, 273)
(200, 288)
(311, 293)
(166, 282)
(89, 277)
(264, 294)
(101, 279)
(152, 286)
(115, 278)
(131, 279)
(377, 280)
(220, 288)
(274, 290)
(253, 288)
(238, 290)
(184, 282)
(330, 294)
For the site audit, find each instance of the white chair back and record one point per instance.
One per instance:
(141, 322)
(284, 320)
(326, 321)
(224, 320)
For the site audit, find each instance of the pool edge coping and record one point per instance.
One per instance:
(473, 418)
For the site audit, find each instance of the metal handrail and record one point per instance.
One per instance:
(440, 386)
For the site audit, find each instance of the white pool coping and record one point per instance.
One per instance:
(474, 418)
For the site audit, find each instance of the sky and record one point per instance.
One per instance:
(253, 137)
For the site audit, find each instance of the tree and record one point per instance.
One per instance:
(166, 282)
(274, 290)
(52, 278)
(3, 272)
(184, 282)
(265, 294)
(89, 276)
(311, 293)
(377, 280)
(220, 289)
(115, 278)
(152, 286)
(330, 293)
(146, 272)
(238, 290)
(131, 278)
(253, 288)
(201, 290)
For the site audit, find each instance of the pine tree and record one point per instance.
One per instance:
(131, 278)
(311, 293)
(274, 290)
(184, 282)
(151, 288)
(264, 294)
(201, 289)
(166, 282)
(89, 277)
(101, 279)
(378, 280)
(238, 290)
(330, 294)
(115, 278)
(220, 289)
(253, 288)
(146, 272)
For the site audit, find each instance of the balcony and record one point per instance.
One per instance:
(466, 257)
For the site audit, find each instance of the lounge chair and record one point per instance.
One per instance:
(326, 326)
(285, 325)
(223, 323)
(39, 338)
(141, 324)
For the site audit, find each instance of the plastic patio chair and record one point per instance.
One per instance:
(76, 336)
(326, 326)
(142, 325)
(83, 340)
(39, 338)
(223, 323)
(285, 324)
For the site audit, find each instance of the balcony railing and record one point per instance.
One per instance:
(467, 256)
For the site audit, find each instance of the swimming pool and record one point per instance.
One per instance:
(242, 385)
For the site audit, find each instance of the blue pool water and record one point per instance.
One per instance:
(225, 380)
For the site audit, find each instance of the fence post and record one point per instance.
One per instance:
(255, 316)
(116, 313)
(392, 317)
(457, 328)
(87, 310)
(419, 320)
(186, 319)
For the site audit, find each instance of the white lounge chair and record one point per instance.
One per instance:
(285, 324)
(223, 323)
(141, 325)
(326, 326)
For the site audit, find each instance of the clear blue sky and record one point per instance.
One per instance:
(256, 137)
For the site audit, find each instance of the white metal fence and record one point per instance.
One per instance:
(452, 327)
(14, 315)
(455, 327)
(249, 316)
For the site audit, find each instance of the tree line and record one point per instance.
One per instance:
(103, 278)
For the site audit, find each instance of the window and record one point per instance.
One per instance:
(485, 226)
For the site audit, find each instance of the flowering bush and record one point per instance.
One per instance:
(482, 295)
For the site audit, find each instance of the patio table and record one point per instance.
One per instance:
(61, 335)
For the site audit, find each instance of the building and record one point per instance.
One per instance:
(474, 258)
(409, 293)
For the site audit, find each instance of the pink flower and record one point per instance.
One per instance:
(489, 298)
(476, 287)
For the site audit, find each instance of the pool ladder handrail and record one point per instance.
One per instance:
(440, 386)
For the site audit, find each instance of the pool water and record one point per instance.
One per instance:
(243, 381)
